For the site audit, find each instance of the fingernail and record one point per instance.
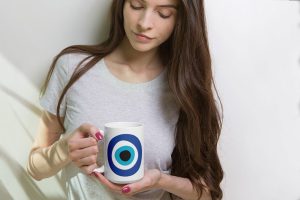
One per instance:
(99, 136)
(126, 189)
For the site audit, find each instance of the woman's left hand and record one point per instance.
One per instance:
(149, 181)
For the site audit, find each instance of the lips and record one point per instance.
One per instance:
(142, 35)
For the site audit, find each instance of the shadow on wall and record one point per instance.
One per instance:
(34, 109)
(4, 193)
(31, 189)
(29, 186)
(20, 113)
(21, 100)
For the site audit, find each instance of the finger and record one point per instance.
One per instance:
(112, 186)
(76, 155)
(98, 135)
(88, 169)
(82, 143)
(90, 130)
(91, 160)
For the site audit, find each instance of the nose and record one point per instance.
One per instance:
(145, 21)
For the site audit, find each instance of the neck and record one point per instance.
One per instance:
(137, 60)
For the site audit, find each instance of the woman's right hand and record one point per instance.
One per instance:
(82, 146)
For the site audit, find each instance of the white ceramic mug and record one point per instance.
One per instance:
(123, 152)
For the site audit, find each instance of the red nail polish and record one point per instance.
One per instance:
(99, 136)
(95, 174)
(126, 189)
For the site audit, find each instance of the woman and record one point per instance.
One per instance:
(155, 68)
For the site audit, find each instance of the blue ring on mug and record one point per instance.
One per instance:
(133, 140)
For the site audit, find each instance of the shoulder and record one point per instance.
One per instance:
(72, 58)
(69, 61)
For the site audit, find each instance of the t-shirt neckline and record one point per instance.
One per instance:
(157, 81)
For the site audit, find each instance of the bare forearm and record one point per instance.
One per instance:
(181, 187)
(46, 162)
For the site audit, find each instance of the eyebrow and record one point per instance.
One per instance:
(164, 6)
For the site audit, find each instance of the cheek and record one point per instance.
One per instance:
(166, 30)
(128, 17)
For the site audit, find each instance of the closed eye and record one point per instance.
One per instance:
(164, 16)
(136, 7)
(165, 13)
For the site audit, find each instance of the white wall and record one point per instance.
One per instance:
(256, 53)
(255, 47)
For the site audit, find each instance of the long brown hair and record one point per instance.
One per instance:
(186, 54)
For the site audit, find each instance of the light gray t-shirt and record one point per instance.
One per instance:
(99, 97)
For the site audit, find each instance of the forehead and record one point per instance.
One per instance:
(160, 2)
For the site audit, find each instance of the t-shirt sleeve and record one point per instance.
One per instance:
(57, 82)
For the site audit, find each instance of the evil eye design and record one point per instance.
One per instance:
(124, 154)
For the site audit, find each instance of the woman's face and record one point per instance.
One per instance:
(149, 23)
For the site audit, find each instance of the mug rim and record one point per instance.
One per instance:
(123, 125)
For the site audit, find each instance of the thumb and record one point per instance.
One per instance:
(132, 188)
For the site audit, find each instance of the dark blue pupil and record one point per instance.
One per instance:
(125, 155)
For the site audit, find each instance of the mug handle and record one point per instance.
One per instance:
(101, 168)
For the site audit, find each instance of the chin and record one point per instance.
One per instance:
(143, 47)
